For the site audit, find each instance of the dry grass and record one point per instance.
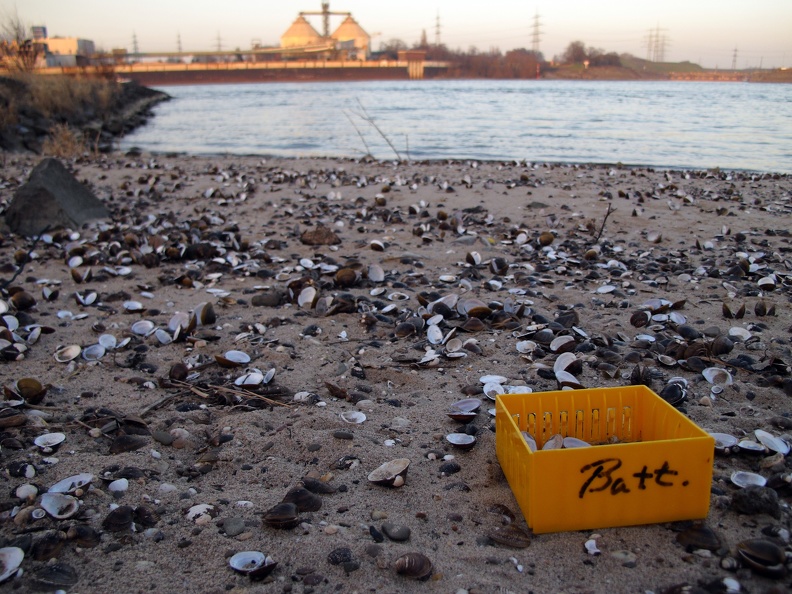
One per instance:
(63, 97)
(63, 142)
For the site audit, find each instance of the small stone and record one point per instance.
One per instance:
(343, 434)
(396, 532)
(450, 467)
(373, 550)
(376, 534)
(339, 556)
(233, 526)
(626, 558)
(378, 515)
(313, 579)
(314, 447)
(163, 437)
(757, 500)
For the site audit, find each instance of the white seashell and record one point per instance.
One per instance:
(591, 547)
(93, 352)
(250, 379)
(567, 380)
(556, 442)
(606, 289)
(142, 327)
(108, 341)
(574, 442)
(563, 361)
(492, 389)
(744, 479)
(10, 560)
(353, 417)
(724, 441)
(59, 505)
(526, 346)
(463, 441)
(390, 474)
(375, 273)
(396, 296)
(118, 486)
(252, 563)
(72, 483)
(518, 389)
(201, 513)
(26, 491)
(771, 442)
(529, 440)
(162, 336)
(454, 345)
(739, 333)
(307, 296)
(133, 306)
(447, 278)
(67, 353)
(717, 376)
(239, 357)
(49, 440)
(434, 335)
(496, 379)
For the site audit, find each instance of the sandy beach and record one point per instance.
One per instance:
(247, 247)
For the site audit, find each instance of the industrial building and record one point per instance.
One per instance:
(349, 41)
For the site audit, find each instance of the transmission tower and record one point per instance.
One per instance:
(734, 59)
(536, 34)
(135, 48)
(178, 43)
(219, 43)
(656, 44)
(437, 29)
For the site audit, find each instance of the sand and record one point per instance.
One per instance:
(620, 238)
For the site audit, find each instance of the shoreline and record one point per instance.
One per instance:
(576, 250)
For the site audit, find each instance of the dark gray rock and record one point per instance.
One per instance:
(757, 500)
(396, 532)
(52, 198)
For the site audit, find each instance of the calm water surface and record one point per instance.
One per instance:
(662, 124)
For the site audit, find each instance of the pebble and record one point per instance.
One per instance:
(339, 556)
(757, 500)
(626, 558)
(343, 434)
(233, 526)
(163, 437)
(396, 532)
(378, 515)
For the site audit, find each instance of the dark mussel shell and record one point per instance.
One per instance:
(763, 556)
(282, 515)
(414, 565)
(305, 500)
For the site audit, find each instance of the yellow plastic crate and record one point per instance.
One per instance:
(659, 471)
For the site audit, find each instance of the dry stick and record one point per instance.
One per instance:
(367, 118)
(249, 394)
(602, 228)
(362, 139)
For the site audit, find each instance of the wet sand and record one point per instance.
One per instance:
(587, 245)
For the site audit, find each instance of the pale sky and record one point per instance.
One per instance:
(702, 31)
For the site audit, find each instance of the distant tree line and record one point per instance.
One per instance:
(517, 63)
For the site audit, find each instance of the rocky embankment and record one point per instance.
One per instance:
(25, 125)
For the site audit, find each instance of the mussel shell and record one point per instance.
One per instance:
(31, 390)
(763, 556)
(119, 519)
(771, 442)
(414, 565)
(254, 564)
(56, 576)
(305, 500)
(511, 536)
(699, 536)
(282, 515)
(744, 479)
(390, 474)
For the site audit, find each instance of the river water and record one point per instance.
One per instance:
(745, 126)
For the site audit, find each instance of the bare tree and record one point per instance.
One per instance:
(18, 52)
